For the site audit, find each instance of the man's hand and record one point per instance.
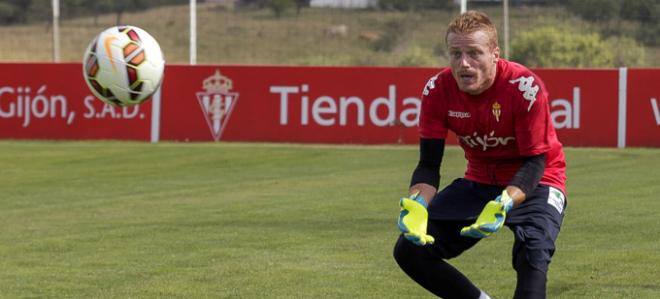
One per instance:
(491, 218)
(413, 219)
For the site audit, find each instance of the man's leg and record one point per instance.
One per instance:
(535, 224)
(531, 280)
(426, 264)
(456, 206)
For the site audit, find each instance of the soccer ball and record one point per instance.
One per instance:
(123, 66)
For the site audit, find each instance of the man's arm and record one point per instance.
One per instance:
(413, 218)
(516, 194)
(526, 178)
(426, 176)
(426, 191)
(493, 215)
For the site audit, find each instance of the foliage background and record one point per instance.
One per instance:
(394, 33)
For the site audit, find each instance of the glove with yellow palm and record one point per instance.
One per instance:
(413, 219)
(491, 218)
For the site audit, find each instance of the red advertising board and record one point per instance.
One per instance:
(583, 105)
(361, 105)
(51, 101)
(292, 104)
(643, 108)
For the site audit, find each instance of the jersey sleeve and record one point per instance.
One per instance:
(432, 119)
(532, 124)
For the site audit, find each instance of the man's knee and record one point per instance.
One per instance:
(534, 246)
(404, 251)
(532, 268)
(537, 259)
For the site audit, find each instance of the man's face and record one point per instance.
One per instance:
(473, 61)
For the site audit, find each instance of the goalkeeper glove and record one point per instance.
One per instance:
(413, 219)
(491, 218)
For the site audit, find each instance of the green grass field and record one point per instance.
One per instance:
(237, 220)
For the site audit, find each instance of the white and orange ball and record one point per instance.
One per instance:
(123, 66)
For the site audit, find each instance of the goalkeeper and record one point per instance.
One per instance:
(515, 174)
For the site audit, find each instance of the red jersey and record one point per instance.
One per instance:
(498, 128)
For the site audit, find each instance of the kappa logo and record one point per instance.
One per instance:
(527, 87)
(458, 114)
(430, 85)
(217, 102)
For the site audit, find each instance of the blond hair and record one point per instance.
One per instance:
(472, 21)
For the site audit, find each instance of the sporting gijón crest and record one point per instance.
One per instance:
(217, 102)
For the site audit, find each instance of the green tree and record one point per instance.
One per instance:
(121, 6)
(300, 4)
(649, 34)
(595, 10)
(252, 3)
(280, 6)
(14, 11)
(393, 33)
(644, 15)
(417, 56)
(7, 13)
(554, 47)
(626, 51)
(118, 7)
(645, 11)
(414, 5)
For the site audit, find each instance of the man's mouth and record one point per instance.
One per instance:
(466, 77)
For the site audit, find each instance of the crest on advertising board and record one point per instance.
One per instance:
(217, 102)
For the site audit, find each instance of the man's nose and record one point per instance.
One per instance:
(463, 62)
